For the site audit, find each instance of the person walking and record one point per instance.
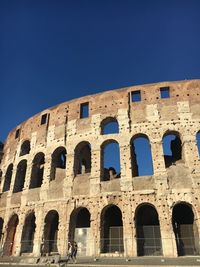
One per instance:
(74, 251)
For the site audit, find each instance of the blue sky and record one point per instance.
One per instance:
(53, 51)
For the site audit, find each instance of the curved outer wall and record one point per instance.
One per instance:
(63, 127)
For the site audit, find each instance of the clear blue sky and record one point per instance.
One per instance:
(53, 51)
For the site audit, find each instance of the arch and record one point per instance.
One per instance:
(8, 177)
(110, 160)
(28, 233)
(111, 230)
(9, 245)
(198, 141)
(37, 171)
(20, 176)
(82, 159)
(109, 126)
(185, 230)
(58, 161)
(51, 232)
(141, 157)
(172, 147)
(25, 148)
(79, 229)
(148, 231)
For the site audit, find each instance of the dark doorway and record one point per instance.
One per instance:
(111, 230)
(148, 231)
(10, 235)
(28, 234)
(51, 232)
(185, 230)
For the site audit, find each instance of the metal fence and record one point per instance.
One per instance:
(110, 246)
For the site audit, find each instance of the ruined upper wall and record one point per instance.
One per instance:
(184, 98)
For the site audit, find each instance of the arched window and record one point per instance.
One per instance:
(141, 157)
(20, 176)
(37, 171)
(148, 231)
(172, 148)
(25, 148)
(10, 235)
(198, 141)
(82, 160)
(109, 126)
(58, 161)
(111, 230)
(110, 160)
(185, 230)
(8, 177)
(51, 232)
(28, 234)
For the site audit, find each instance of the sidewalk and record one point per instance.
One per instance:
(114, 262)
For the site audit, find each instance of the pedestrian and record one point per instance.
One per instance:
(74, 251)
(70, 250)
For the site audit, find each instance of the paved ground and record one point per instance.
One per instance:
(120, 262)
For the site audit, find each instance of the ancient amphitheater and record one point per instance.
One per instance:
(119, 172)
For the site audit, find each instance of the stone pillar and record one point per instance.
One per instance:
(62, 233)
(126, 168)
(13, 180)
(68, 181)
(38, 230)
(167, 234)
(128, 229)
(95, 171)
(18, 235)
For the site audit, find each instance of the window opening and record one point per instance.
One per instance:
(164, 92)
(109, 126)
(44, 119)
(17, 133)
(84, 110)
(198, 142)
(172, 149)
(136, 96)
(141, 157)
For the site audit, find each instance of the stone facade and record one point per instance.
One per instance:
(56, 188)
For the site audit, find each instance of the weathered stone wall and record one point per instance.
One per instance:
(153, 117)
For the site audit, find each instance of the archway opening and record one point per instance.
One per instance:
(172, 148)
(8, 177)
(198, 142)
(37, 171)
(111, 230)
(28, 234)
(20, 176)
(185, 230)
(51, 232)
(141, 157)
(82, 160)
(1, 231)
(109, 126)
(58, 162)
(79, 230)
(110, 161)
(148, 231)
(25, 148)
(9, 245)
